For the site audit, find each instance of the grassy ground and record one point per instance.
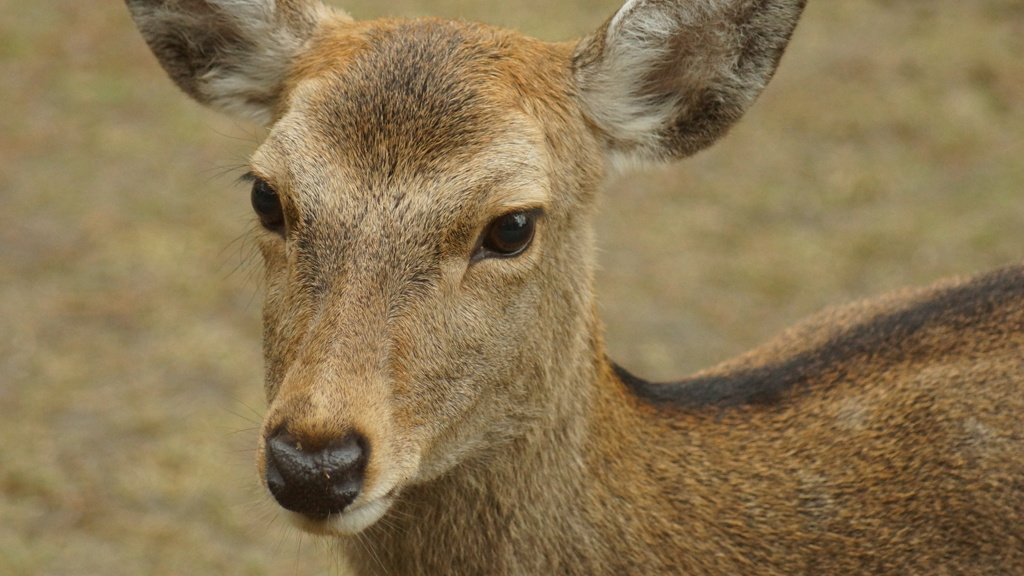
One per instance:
(887, 152)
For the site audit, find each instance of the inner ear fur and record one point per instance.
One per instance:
(663, 79)
(231, 55)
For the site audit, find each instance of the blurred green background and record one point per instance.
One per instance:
(888, 151)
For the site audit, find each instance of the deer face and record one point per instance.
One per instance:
(419, 238)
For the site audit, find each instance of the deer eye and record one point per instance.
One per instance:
(508, 235)
(267, 205)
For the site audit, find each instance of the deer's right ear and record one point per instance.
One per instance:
(663, 79)
(232, 55)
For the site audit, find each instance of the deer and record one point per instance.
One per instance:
(439, 396)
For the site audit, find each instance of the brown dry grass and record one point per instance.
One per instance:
(887, 152)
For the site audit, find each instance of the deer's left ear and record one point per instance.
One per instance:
(665, 78)
(231, 55)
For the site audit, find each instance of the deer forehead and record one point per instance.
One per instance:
(432, 116)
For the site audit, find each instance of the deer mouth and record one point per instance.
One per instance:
(352, 520)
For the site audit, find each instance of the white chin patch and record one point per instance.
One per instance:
(353, 520)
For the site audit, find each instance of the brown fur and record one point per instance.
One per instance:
(880, 438)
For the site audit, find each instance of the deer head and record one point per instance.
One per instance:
(424, 198)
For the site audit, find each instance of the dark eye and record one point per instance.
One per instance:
(508, 235)
(267, 205)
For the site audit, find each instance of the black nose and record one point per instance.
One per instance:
(315, 481)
